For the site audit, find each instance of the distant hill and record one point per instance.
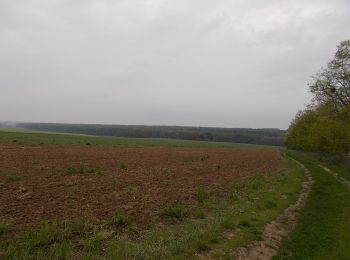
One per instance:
(7, 124)
(267, 136)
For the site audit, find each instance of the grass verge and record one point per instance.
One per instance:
(337, 163)
(323, 230)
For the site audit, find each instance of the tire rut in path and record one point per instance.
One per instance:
(278, 229)
(336, 175)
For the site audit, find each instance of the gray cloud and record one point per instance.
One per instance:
(187, 62)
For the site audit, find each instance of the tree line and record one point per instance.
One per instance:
(272, 137)
(324, 125)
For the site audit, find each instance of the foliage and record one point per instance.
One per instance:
(325, 125)
(321, 129)
(332, 84)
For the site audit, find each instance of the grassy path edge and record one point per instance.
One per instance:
(280, 228)
(336, 175)
(323, 229)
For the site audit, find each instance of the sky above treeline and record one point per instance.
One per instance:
(226, 63)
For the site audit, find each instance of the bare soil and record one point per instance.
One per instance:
(154, 177)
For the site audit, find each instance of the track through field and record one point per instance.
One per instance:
(336, 175)
(278, 229)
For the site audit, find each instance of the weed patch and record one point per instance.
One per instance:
(174, 212)
(93, 243)
(122, 166)
(49, 240)
(4, 228)
(202, 194)
(13, 178)
(121, 219)
(198, 213)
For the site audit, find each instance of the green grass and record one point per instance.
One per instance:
(337, 163)
(4, 228)
(122, 166)
(323, 230)
(13, 178)
(203, 194)
(198, 228)
(175, 212)
(342, 170)
(48, 241)
(121, 219)
(24, 137)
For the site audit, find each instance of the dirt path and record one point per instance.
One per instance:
(336, 175)
(278, 229)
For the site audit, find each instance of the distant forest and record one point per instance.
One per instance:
(272, 137)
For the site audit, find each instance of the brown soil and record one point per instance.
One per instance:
(278, 229)
(154, 176)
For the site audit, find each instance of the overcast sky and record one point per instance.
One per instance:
(230, 63)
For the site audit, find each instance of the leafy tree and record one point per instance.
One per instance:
(321, 129)
(324, 126)
(332, 84)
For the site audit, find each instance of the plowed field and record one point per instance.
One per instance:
(49, 185)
